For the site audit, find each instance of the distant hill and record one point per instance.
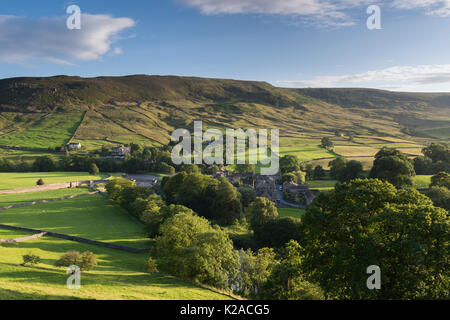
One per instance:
(49, 112)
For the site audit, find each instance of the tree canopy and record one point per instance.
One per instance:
(370, 222)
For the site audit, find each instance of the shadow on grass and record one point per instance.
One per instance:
(7, 294)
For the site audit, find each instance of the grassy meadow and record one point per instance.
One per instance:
(93, 217)
(10, 181)
(119, 275)
(17, 198)
(290, 212)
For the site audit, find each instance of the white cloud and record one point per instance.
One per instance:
(328, 12)
(24, 40)
(434, 7)
(411, 78)
(325, 12)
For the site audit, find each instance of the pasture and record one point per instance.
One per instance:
(9, 181)
(290, 212)
(12, 199)
(119, 275)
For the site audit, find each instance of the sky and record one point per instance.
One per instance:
(288, 43)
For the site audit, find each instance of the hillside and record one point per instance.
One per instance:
(37, 113)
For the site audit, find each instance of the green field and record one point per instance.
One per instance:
(290, 212)
(9, 181)
(322, 184)
(52, 130)
(11, 199)
(119, 275)
(422, 182)
(93, 217)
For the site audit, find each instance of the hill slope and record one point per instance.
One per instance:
(49, 112)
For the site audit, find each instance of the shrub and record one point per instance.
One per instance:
(30, 259)
(88, 261)
(85, 261)
(93, 169)
(40, 182)
(68, 259)
(152, 265)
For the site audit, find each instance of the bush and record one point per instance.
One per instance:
(40, 182)
(30, 259)
(93, 169)
(88, 261)
(85, 261)
(152, 265)
(68, 259)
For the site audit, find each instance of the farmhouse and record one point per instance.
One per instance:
(74, 146)
(120, 152)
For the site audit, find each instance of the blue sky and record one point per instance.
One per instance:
(295, 43)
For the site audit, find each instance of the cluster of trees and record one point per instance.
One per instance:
(343, 170)
(153, 159)
(215, 199)
(327, 143)
(393, 166)
(290, 169)
(142, 203)
(436, 159)
(439, 191)
(370, 222)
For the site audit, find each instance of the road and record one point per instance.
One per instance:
(284, 202)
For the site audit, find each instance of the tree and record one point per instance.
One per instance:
(309, 170)
(440, 197)
(260, 212)
(288, 281)
(30, 259)
(152, 265)
(442, 179)
(336, 166)
(352, 170)
(289, 177)
(437, 152)
(44, 164)
(191, 248)
(289, 163)
(319, 172)
(226, 207)
(247, 196)
(245, 168)
(214, 199)
(115, 186)
(255, 268)
(393, 166)
(327, 143)
(85, 261)
(88, 261)
(370, 222)
(210, 259)
(176, 233)
(277, 232)
(190, 168)
(423, 165)
(93, 170)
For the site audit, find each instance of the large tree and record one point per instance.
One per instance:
(370, 222)
(442, 179)
(288, 281)
(260, 212)
(393, 166)
(289, 163)
(437, 152)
